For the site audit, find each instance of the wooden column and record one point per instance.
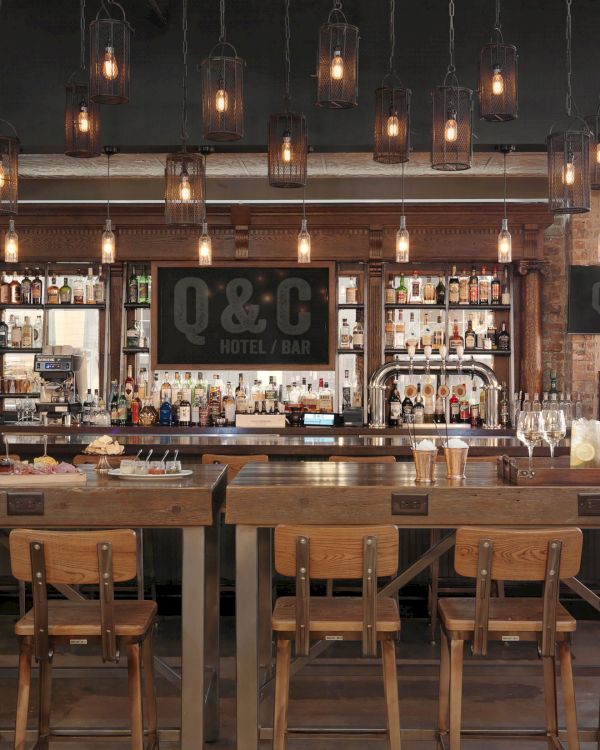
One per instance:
(115, 339)
(531, 373)
(375, 302)
(241, 217)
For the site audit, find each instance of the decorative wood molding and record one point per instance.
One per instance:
(525, 267)
(376, 243)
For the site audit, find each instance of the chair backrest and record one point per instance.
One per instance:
(83, 459)
(363, 459)
(234, 463)
(488, 554)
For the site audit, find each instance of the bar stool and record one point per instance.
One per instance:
(234, 463)
(328, 552)
(77, 557)
(547, 555)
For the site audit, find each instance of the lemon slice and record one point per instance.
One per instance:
(584, 452)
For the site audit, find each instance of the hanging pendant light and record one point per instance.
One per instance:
(402, 235)
(223, 90)
(82, 120)
(109, 248)
(304, 236)
(504, 238)
(11, 243)
(452, 136)
(287, 135)
(337, 61)
(498, 97)
(184, 171)
(391, 141)
(9, 168)
(204, 241)
(568, 145)
(593, 122)
(110, 66)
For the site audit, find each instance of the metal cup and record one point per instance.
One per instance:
(424, 465)
(456, 460)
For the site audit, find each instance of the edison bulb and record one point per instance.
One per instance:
(109, 252)
(393, 124)
(110, 69)
(83, 119)
(286, 148)
(451, 130)
(185, 189)
(337, 66)
(204, 247)
(598, 153)
(2, 175)
(303, 244)
(11, 244)
(221, 98)
(402, 242)
(497, 81)
(568, 175)
(504, 244)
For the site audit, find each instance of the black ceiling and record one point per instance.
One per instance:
(39, 49)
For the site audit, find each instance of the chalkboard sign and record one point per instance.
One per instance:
(240, 317)
(584, 299)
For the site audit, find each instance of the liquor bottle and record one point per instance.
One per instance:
(325, 399)
(503, 338)
(453, 288)
(491, 340)
(440, 292)
(259, 397)
(347, 391)
(536, 404)
(214, 398)
(132, 287)
(185, 410)
(203, 412)
(426, 334)
(99, 289)
(143, 295)
(241, 396)
(456, 339)
(345, 335)
(399, 331)
(484, 287)
(389, 330)
(27, 334)
(135, 407)
(407, 410)
(78, 289)
(473, 287)
(165, 389)
(15, 291)
(15, 334)
(545, 401)
(195, 410)
(164, 415)
(351, 292)
(129, 383)
(358, 337)
(439, 415)
(505, 293)
(142, 383)
(312, 400)
(356, 395)
(303, 392)
(412, 338)
(429, 291)
(90, 299)
(578, 407)
(553, 392)
(37, 286)
(229, 405)
(395, 402)
(155, 398)
(428, 401)
(114, 405)
(454, 407)
(474, 407)
(53, 292)
(504, 407)
(470, 339)
(65, 293)
(401, 291)
(5, 290)
(176, 386)
(415, 288)
(438, 333)
(271, 395)
(495, 288)
(26, 289)
(482, 396)
(390, 293)
(3, 333)
(463, 288)
(201, 389)
(122, 407)
(418, 407)
(463, 406)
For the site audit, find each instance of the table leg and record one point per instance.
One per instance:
(211, 632)
(192, 638)
(265, 603)
(247, 643)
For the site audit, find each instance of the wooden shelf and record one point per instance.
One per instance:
(351, 351)
(492, 308)
(12, 306)
(15, 350)
(19, 395)
(467, 354)
(72, 306)
(357, 306)
(136, 350)
(137, 305)
(415, 306)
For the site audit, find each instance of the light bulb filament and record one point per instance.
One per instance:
(110, 69)
(337, 66)
(185, 189)
(221, 98)
(451, 128)
(393, 123)
(83, 119)
(497, 81)
(568, 175)
(286, 148)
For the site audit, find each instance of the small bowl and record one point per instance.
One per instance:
(127, 466)
(173, 467)
(141, 467)
(157, 467)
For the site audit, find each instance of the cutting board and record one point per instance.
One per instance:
(42, 480)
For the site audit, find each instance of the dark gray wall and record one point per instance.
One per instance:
(39, 48)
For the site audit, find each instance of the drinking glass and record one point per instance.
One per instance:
(554, 426)
(530, 431)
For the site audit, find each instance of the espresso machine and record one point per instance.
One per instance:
(59, 400)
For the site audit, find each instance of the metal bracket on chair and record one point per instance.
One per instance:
(41, 643)
(107, 608)
(482, 597)
(551, 590)
(369, 637)
(302, 596)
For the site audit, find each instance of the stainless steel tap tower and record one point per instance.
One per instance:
(380, 377)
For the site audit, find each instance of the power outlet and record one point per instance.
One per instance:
(588, 504)
(24, 503)
(410, 505)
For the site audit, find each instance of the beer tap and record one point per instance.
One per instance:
(427, 351)
(443, 353)
(460, 353)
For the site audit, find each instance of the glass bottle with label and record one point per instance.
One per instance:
(185, 411)
(416, 291)
(463, 288)
(345, 335)
(470, 338)
(325, 399)
(164, 415)
(356, 395)
(15, 334)
(310, 399)
(37, 286)
(122, 407)
(453, 288)
(271, 395)
(214, 398)
(454, 407)
(395, 403)
(5, 290)
(89, 287)
(440, 292)
(129, 383)
(351, 296)
(27, 334)
(65, 293)
(53, 292)
(99, 289)
(456, 339)
(426, 334)
(505, 293)
(188, 387)
(429, 291)
(358, 338)
(401, 291)
(495, 288)
(200, 389)
(503, 338)
(484, 287)
(473, 287)
(407, 409)
(241, 395)
(418, 407)
(143, 292)
(504, 407)
(15, 291)
(132, 287)
(346, 391)
(26, 289)
(474, 407)
(165, 388)
(390, 293)
(389, 330)
(438, 333)
(399, 330)
(412, 338)
(3, 333)
(78, 289)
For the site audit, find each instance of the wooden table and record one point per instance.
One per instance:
(191, 504)
(264, 495)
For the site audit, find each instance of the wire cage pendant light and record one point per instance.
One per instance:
(110, 55)
(391, 131)
(184, 171)
(222, 75)
(303, 240)
(402, 235)
(504, 237)
(593, 122)
(452, 131)
(9, 168)
(337, 61)
(498, 77)
(287, 135)
(82, 116)
(11, 243)
(568, 143)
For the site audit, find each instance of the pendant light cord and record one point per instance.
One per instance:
(451, 67)
(184, 52)
(304, 202)
(287, 66)
(108, 187)
(82, 33)
(392, 34)
(497, 24)
(569, 97)
(204, 191)
(222, 34)
(505, 184)
(402, 182)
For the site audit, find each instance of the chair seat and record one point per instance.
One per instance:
(337, 613)
(67, 618)
(512, 613)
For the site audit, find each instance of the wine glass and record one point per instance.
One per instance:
(554, 426)
(530, 431)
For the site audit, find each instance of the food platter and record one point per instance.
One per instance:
(149, 477)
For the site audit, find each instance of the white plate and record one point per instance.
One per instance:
(149, 477)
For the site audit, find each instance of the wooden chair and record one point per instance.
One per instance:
(234, 463)
(547, 555)
(328, 552)
(76, 557)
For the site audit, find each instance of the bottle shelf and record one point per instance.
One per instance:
(17, 306)
(19, 395)
(71, 306)
(19, 350)
(356, 306)
(467, 354)
(351, 351)
(136, 350)
(415, 306)
(137, 305)
(485, 308)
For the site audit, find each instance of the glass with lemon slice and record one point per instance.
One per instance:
(585, 444)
